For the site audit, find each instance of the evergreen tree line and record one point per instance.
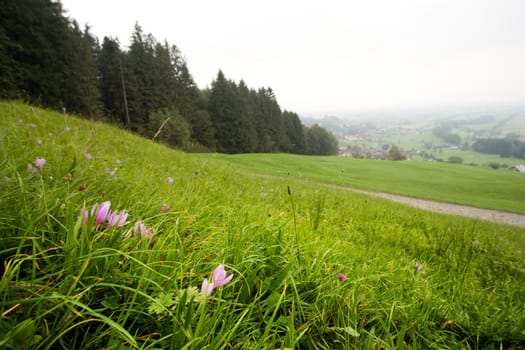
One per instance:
(446, 134)
(45, 58)
(503, 147)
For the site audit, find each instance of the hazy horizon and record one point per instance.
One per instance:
(418, 112)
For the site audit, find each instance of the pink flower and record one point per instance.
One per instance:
(39, 162)
(101, 212)
(117, 162)
(341, 276)
(89, 156)
(115, 218)
(67, 129)
(165, 208)
(218, 279)
(145, 232)
(419, 267)
(207, 287)
(170, 180)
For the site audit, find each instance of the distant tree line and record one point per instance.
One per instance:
(504, 147)
(45, 58)
(445, 133)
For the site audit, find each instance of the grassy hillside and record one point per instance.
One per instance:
(313, 268)
(477, 186)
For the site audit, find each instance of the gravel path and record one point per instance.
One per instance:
(455, 209)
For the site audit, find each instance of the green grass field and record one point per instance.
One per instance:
(476, 186)
(313, 267)
(416, 142)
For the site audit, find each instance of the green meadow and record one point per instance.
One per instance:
(477, 186)
(313, 267)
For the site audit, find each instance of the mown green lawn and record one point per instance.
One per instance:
(476, 186)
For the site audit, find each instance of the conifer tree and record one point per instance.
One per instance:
(270, 125)
(111, 80)
(46, 58)
(82, 94)
(222, 111)
(202, 130)
(138, 66)
(245, 118)
(295, 133)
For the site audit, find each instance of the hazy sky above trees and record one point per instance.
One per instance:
(329, 57)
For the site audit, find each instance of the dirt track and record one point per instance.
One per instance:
(455, 209)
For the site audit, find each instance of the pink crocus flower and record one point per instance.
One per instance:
(218, 279)
(101, 212)
(89, 156)
(341, 276)
(116, 218)
(145, 232)
(419, 267)
(39, 162)
(67, 128)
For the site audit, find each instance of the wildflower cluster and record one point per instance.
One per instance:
(102, 214)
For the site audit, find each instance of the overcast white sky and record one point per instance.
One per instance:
(329, 57)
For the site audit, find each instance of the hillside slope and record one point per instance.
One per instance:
(313, 268)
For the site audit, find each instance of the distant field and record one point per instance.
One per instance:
(409, 142)
(471, 157)
(416, 135)
(476, 186)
